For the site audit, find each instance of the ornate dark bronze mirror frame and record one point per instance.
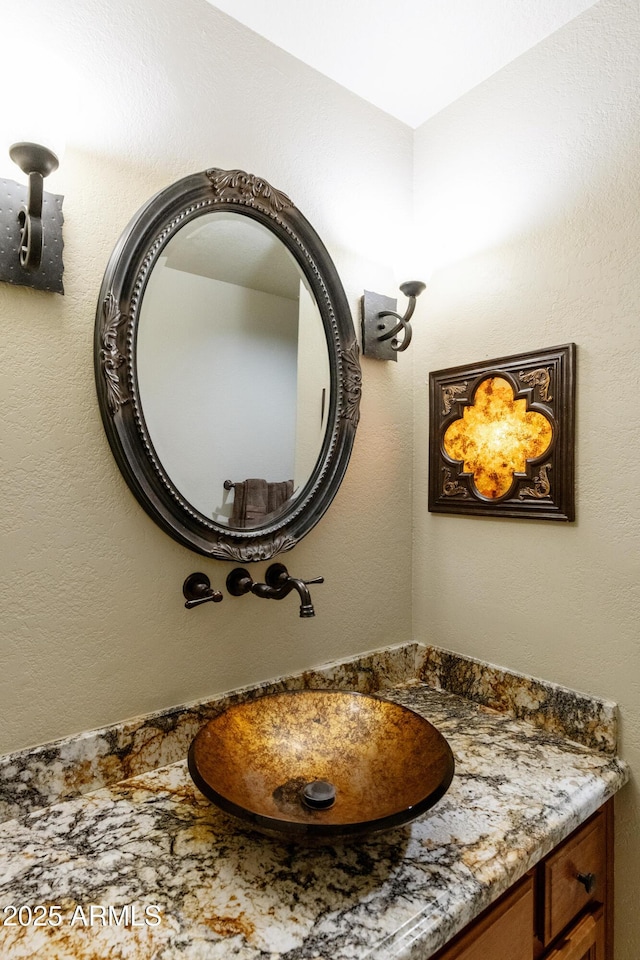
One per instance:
(120, 302)
(540, 384)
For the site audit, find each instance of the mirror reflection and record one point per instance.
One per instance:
(233, 369)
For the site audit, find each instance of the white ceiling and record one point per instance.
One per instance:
(238, 250)
(409, 57)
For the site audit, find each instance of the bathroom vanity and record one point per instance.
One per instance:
(561, 910)
(129, 860)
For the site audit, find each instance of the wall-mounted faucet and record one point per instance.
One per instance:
(278, 584)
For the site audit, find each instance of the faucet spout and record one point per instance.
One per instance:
(306, 607)
(278, 577)
(279, 584)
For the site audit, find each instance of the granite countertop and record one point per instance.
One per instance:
(148, 869)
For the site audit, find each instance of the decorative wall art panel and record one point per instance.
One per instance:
(501, 436)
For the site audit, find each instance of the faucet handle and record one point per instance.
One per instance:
(277, 574)
(197, 589)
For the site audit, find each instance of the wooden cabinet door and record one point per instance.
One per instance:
(585, 941)
(580, 859)
(503, 932)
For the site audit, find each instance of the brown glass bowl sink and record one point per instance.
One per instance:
(321, 764)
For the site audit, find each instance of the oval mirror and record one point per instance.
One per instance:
(227, 366)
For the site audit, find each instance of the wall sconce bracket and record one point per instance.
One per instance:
(385, 333)
(48, 276)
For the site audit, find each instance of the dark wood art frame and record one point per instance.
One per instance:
(545, 490)
(117, 319)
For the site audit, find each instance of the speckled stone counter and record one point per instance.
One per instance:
(147, 869)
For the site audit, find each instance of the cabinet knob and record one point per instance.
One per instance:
(588, 881)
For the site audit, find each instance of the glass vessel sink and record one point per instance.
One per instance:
(321, 764)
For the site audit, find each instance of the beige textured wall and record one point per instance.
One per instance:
(527, 208)
(94, 628)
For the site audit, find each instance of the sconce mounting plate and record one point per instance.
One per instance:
(48, 276)
(374, 326)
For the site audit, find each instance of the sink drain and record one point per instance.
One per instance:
(319, 794)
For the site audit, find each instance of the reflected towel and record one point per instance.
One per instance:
(254, 499)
